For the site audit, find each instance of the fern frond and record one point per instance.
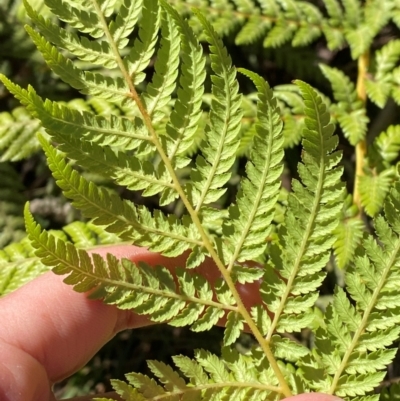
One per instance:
(363, 23)
(234, 377)
(54, 116)
(143, 48)
(349, 110)
(125, 21)
(98, 53)
(387, 144)
(352, 349)
(185, 116)
(379, 85)
(292, 106)
(82, 16)
(348, 233)
(306, 236)
(220, 146)
(18, 265)
(164, 234)
(147, 290)
(17, 135)
(123, 169)
(373, 188)
(251, 218)
(158, 92)
(88, 83)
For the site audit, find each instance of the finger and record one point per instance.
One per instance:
(313, 397)
(61, 329)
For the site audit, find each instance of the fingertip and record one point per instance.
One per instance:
(313, 397)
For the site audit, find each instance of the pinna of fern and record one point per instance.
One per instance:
(352, 23)
(352, 348)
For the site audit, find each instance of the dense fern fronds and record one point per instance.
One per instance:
(121, 217)
(280, 249)
(352, 348)
(300, 23)
(210, 378)
(17, 135)
(19, 264)
(12, 200)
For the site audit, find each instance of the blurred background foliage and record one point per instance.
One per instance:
(280, 57)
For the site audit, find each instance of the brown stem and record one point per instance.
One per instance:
(361, 147)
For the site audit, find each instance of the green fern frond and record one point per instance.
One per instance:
(292, 105)
(95, 52)
(379, 173)
(234, 377)
(125, 170)
(158, 92)
(126, 19)
(373, 188)
(379, 85)
(306, 236)
(115, 130)
(349, 110)
(348, 233)
(250, 225)
(387, 144)
(352, 349)
(363, 22)
(145, 289)
(143, 49)
(11, 205)
(82, 16)
(184, 120)
(220, 146)
(17, 135)
(119, 216)
(18, 265)
(138, 133)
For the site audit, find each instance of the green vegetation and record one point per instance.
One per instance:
(156, 138)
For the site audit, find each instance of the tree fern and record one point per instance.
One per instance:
(281, 251)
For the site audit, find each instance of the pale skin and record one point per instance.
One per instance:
(48, 331)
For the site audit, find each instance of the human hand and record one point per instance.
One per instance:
(48, 331)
